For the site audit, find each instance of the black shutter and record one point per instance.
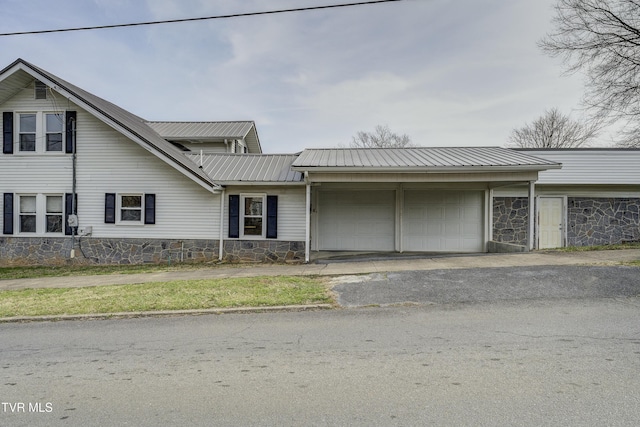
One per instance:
(7, 214)
(149, 208)
(272, 217)
(7, 132)
(234, 216)
(110, 208)
(69, 119)
(69, 208)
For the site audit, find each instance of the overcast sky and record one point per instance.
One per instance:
(445, 72)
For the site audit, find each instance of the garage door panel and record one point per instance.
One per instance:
(443, 221)
(356, 220)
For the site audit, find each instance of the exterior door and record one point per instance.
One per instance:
(550, 215)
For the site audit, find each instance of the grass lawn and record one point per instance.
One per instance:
(176, 295)
(7, 273)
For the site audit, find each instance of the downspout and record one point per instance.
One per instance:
(221, 249)
(74, 181)
(307, 238)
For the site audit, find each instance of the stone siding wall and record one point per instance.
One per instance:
(602, 221)
(56, 251)
(510, 220)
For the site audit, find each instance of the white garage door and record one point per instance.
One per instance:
(443, 221)
(356, 220)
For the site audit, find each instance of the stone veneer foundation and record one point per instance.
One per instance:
(90, 250)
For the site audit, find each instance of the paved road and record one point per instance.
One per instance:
(526, 363)
(487, 284)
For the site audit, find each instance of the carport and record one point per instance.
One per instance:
(410, 199)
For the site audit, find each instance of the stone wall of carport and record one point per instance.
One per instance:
(511, 220)
(602, 221)
(90, 250)
(591, 220)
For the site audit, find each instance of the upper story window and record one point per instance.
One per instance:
(53, 129)
(27, 127)
(40, 132)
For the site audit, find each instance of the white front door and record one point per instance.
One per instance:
(550, 214)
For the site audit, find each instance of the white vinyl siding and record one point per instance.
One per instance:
(291, 210)
(108, 162)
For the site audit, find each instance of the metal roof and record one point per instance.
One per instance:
(196, 130)
(419, 159)
(248, 168)
(183, 131)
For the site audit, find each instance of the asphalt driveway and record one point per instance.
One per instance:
(451, 286)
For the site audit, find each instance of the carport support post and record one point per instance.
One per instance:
(532, 215)
(307, 238)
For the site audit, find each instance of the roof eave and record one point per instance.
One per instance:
(427, 169)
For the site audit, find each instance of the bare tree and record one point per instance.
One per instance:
(381, 137)
(602, 39)
(554, 130)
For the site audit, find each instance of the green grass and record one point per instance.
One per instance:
(20, 272)
(176, 295)
(635, 245)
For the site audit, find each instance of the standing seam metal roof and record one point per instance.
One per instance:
(178, 130)
(419, 157)
(248, 167)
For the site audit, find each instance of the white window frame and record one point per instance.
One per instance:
(40, 133)
(120, 208)
(262, 216)
(47, 214)
(40, 214)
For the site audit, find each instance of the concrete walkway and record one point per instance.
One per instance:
(357, 266)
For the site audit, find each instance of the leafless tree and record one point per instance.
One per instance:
(381, 137)
(602, 39)
(553, 130)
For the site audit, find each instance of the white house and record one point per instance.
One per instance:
(83, 179)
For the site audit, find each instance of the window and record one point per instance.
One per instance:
(54, 214)
(41, 132)
(252, 215)
(28, 214)
(53, 128)
(27, 131)
(130, 208)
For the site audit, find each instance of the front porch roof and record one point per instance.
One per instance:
(420, 159)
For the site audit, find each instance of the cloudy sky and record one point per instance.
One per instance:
(445, 72)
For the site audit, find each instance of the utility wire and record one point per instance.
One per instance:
(172, 21)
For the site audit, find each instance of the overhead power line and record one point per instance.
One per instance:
(173, 21)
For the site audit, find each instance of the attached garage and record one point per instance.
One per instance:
(356, 220)
(418, 199)
(443, 221)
